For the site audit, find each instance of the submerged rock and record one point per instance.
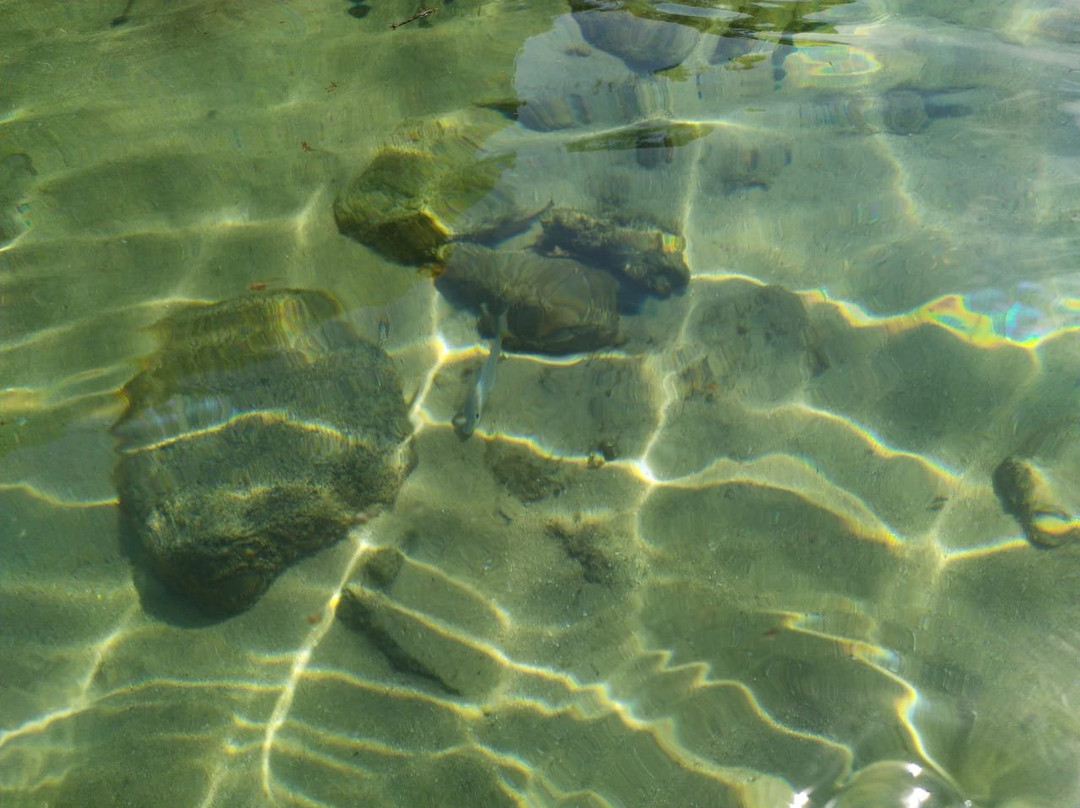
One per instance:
(408, 202)
(388, 207)
(552, 305)
(611, 104)
(260, 432)
(1028, 494)
(910, 111)
(1038, 484)
(645, 256)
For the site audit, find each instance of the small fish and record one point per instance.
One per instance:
(468, 417)
(384, 327)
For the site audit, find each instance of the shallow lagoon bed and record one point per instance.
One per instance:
(750, 552)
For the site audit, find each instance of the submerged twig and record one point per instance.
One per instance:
(424, 12)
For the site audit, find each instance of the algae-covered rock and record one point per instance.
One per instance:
(260, 431)
(1038, 484)
(1029, 495)
(552, 305)
(643, 255)
(408, 203)
(388, 207)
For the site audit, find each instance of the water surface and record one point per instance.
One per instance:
(750, 556)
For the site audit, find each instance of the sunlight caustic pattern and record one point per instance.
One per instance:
(729, 597)
(750, 556)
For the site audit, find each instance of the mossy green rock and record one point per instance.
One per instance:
(553, 305)
(408, 203)
(259, 433)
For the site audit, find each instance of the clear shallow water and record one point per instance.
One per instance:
(792, 583)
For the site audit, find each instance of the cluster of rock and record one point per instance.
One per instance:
(1037, 485)
(562, 294)
(264, 428)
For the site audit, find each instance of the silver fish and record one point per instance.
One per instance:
(384, 326)
(467, 418)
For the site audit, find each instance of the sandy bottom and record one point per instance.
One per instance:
(753, 553)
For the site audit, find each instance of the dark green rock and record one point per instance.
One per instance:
(415, 196)
(387, 208)
(633, 32)
(646, 257)
(259, 433)
(1029, 496)
(553, 305)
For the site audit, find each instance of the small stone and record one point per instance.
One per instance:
(646, 257)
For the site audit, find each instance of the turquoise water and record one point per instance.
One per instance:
(801, 534)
